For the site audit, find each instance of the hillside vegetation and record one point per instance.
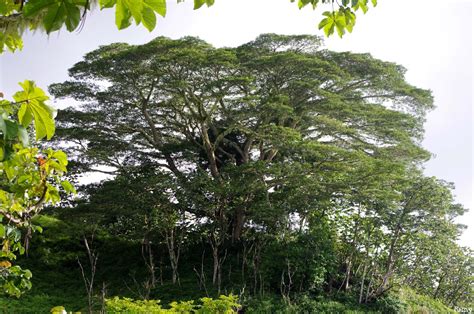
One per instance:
(277, 175)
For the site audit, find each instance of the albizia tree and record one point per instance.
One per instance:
(265, 134)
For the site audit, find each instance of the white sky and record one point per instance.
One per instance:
(431, 38)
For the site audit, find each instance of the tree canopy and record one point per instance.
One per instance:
(273, 104)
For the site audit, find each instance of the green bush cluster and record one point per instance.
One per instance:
(308, 304)
(223, 305)
(402, 301)
(417, 303)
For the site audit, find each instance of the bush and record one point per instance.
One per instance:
(417, 303)
(127, 305)
(306, 304)
(223, 305)
(391, 304)
(405, 300)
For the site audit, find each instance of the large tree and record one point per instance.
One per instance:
(253, 135)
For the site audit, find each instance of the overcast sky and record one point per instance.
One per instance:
(431, 38)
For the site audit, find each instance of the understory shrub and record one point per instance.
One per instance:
(222, 305)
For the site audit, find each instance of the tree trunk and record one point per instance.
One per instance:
(391, 259)
(215, 269)
(256, 267)
(244, 261)
(161, 269)
(389, 268)
(147, 255)
(348, 275)
(369, 286)
(361, 293)
(440, 281)
(238, 224)
(351, 256)
(173, 252)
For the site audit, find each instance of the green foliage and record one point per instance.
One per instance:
(15, 281)
(200, 3)
(127, 305)
(58, 310)
(33, 107)
(57, 281)
(392, 304)
(29, 178)
(182, 306)
(55, 14)
(142, 11)
(305, 303)
(404, 301)
(343, 18)
(223, 305)
(418, 303)
(52, 15)
(10, 40)
(303, 258)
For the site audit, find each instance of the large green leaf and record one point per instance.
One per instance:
(11, 132)
(159, 6)
(60, 156)
(55, 17)
(73, 16)
(25, 116)
(200, 3)
(340, 23)
(33, 105)
(142, 11)
(68, 187)
(23, 136)
(328, 23)
(33, 7)
(135, 7)
(9, 129)
(148, 18)
(44, 123)
(58, 13)
(122, 15)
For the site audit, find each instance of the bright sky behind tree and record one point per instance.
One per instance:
(431, 38)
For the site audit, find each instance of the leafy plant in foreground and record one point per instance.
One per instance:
(29, 178)
(52, 15)
(223, 305)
